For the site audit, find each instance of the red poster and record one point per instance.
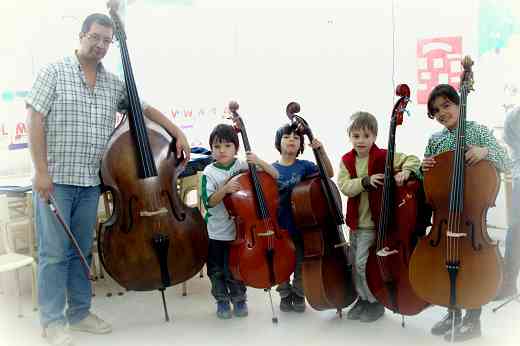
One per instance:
(438, 61)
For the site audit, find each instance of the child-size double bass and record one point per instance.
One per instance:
(262, 255)
(316, 207)
(388, 259)
(458, 265)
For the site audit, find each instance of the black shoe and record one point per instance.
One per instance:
(355, 312)
(298, 303)
(444, 325)
(469, 329)
(372, 312)
(286, 303)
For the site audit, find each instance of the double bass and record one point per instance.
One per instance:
(317, 212)
(262, 255)
(388, 260)
(152, 240)
(457, 265)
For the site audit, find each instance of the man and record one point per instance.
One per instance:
(71, 114)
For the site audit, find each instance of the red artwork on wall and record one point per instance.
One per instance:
(438, 61)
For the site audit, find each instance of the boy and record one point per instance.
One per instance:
(221, 229)
(290, 143)
(361, 174)
(443, 106)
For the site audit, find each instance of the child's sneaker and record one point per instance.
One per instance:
(372, 312)
(223, 310)
(240, 309)
(357, 310)
(286, 303)
(298, 303)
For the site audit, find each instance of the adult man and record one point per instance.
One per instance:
(71, 114)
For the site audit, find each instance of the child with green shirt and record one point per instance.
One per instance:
(443, 106)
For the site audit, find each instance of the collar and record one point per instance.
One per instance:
(224, 167)
(75, 60)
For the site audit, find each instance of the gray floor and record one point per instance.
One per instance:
(138, 319)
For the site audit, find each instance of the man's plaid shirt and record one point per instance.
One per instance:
(78, 120)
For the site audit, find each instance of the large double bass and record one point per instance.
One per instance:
(388, 259)
(457, 265)
(152, 240)
(317, 212)
(262, 255)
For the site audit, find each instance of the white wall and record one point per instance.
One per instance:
(333, 59)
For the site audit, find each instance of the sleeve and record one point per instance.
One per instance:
(497, 154)
(208, 187)
(410, 163)
(43, 91)
(310, 168)
(350, 187)
(429, 148)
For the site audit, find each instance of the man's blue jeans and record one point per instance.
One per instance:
(61, 276)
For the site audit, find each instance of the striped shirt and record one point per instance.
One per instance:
(475, 134)
(78, 120)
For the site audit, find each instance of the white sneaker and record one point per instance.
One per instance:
(58, 335)
(92, 324)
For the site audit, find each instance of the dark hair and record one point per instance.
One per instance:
(101, 19)
(287, 129)
(363, 120)
(224, 133)
(442, 90)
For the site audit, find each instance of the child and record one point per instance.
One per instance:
(361, 173)
(291, 171)
(443, 106)
(221, 229)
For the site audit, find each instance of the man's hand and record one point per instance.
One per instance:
(183, 146)
(42, 184)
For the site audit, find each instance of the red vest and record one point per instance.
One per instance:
(376, 164)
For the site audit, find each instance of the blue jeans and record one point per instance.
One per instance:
(223, 286)
(61, 276)
(285, 289)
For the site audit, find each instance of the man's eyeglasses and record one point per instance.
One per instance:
(95, 38)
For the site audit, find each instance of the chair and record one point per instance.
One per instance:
(21, 225)
(12, 261)
(186, 187)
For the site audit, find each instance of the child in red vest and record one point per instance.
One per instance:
(361, 177)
